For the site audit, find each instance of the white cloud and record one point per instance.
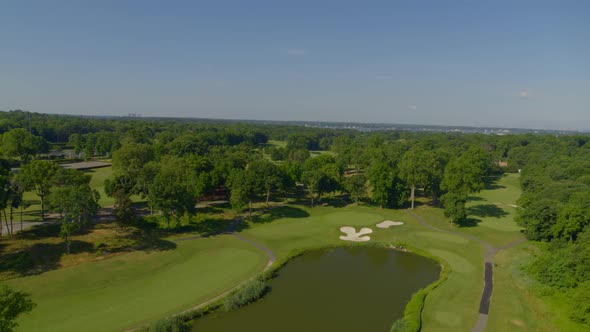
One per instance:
(297, 52)
(524, 94)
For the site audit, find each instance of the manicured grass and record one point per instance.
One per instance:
(98, 175)
(280, 144)
(137, 288)
(514, 306)
(134, 288)
(491, 214)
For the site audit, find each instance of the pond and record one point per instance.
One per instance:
(344, 289)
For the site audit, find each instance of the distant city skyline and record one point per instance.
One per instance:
(512, 64)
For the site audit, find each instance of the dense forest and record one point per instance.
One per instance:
(172, 164)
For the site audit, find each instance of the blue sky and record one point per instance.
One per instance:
(486, 63)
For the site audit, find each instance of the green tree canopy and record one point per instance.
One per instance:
(12, 304)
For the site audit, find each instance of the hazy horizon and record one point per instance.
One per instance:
(522, 64)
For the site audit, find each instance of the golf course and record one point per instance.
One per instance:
(130, 290)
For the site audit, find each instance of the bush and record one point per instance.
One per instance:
(247, 294)
(580, 303)
(173, 324)
(400, 325)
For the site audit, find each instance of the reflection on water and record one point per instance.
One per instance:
(344, 289)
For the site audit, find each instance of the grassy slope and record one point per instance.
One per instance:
(138, 287)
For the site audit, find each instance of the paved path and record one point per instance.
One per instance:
(488, 286)
(25, 225)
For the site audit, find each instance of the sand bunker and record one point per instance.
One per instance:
(389, 223)
(352, 235)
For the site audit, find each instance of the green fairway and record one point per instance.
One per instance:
(490, 213)
(139, 287)
(136, 288)
(98, 176)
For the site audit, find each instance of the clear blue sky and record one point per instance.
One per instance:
(487, 63)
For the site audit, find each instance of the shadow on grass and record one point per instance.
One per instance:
(470, 222)
(491, 182)
(50, 229)
(486, 210)
(147, 242)
(278, 213)
(40, 257)
(40, 231)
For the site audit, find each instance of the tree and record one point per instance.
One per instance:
(463, 176)
(386, 188)
(269, 176)
(76, 204)
(19, 143)
(320, 175)
(245, 185)
(129, 164)
(381, 179)
(123, 210)
(12, 199)
(454, 205)
(356, 185)
(12, 304)
(171, 192)
(414, 169)
(38, 176)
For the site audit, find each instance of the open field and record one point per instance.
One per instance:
(139, 287)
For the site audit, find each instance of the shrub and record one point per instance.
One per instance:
(580, 304)
(400, 325)
(248, 293)
(173, 324)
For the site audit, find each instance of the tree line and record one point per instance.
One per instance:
(555, 209)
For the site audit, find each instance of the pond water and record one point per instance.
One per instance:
(344, 289)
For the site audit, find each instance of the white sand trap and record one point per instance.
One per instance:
(352, 235)
(389, 223)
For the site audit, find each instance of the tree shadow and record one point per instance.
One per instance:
(40, 257)
(40, 231)
(486, 210)
(150, 237)
(469, 222)
(213, 209)
(474, 199)
(491, 182)
(210, 226)
(278, 213)
(336, 201)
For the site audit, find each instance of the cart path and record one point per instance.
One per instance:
(488, 286)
